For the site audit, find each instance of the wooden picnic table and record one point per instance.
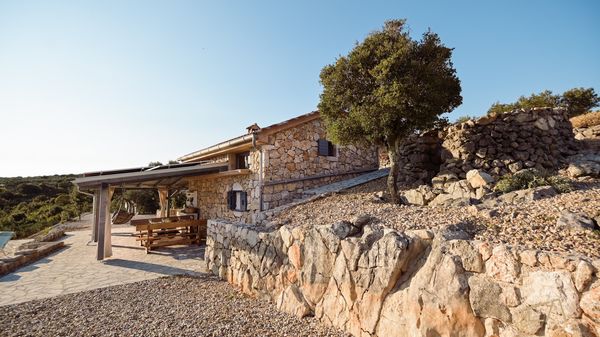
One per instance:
(161, 232)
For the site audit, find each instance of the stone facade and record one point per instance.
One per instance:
(371, 281)
(290, 165)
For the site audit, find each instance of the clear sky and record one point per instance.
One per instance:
(91, 85)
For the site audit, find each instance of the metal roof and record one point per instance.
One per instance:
(150, 178)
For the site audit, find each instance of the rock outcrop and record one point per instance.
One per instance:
(373, 281)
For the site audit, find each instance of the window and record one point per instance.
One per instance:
(325, 148)
(242, 160)
(237, 201)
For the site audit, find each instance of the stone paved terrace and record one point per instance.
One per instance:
(75, 268)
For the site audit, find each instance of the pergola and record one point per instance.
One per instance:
(101, 185)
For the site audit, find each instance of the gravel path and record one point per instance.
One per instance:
(170, 306)
(529, 224)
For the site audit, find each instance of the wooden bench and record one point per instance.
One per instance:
(161, 232)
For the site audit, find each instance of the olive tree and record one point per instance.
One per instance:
(387, 88)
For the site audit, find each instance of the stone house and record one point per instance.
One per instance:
(271, 166)
(236, 179)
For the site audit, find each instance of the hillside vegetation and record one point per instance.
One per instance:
(28, 205)
(587, 120)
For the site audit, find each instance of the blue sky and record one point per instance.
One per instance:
(90, 85)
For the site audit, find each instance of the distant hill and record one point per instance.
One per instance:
(30, 204)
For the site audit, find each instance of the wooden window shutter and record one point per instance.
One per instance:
(323, 147)
(330, 149)
(231, 200)
(243, 201)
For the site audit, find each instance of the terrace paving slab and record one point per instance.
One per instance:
(75, 268)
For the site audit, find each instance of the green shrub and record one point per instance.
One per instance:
(463, 119)
(532, 178)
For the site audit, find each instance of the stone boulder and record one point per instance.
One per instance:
(584, 165)
(529, 194)
(590, 305)
(421, 195)
(477, 178)
(447, 200)
(576, 222)
(442, 179)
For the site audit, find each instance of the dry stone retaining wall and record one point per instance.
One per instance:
(509, 142)
(506, 143)
(380, 282)
(34, 252)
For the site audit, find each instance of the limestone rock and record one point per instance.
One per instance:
(590, 304)
(584, 165)
(553, 293)
(419, 196)
(460, 189)
(529, 258)
(575, 222)
(527, 320)
(503, 266)
(477, 178)
(292, 301)
(484, 297)
(530, 194)
(469, 255)
(583, 275)
(443, 178)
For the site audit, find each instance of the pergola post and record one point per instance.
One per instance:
(95, 213)
(163, 196)
(101, 210)
(104, 222)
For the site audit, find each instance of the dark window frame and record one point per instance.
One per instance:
(232, 201)
(242, 160)
(326, 148)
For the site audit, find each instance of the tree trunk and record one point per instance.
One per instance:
(392, 181)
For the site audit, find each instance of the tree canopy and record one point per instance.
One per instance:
(388, 87)
(577, 101)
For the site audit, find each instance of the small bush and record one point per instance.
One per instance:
(586, 120)
(463, 119)
(532, 178)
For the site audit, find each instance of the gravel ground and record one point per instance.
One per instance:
(529, 224)
(170, 306)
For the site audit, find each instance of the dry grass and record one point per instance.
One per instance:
(586, 120)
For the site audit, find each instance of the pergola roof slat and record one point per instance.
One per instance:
(155, 178)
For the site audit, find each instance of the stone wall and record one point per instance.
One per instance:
(420, 158)
(34, 252)
(291, 156)
(542, 138)
(212, 193)
(509, 142)
(380, 282)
